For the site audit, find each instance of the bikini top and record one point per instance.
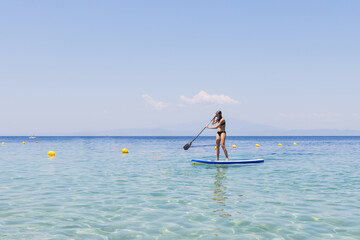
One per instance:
(223, 123)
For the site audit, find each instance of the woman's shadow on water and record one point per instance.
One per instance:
(220, 191)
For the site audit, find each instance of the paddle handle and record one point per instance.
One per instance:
(202, 130)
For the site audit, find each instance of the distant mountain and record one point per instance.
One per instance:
(243, 128)
(234, 128)
(323, 132)
(128, 132)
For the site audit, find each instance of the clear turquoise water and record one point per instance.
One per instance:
(90, 190)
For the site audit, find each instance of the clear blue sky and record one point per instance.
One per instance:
(72, 66)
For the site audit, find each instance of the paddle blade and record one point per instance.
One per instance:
(187, 146)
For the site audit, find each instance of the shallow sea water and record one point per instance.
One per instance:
(90, 190)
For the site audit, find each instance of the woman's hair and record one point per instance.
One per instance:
(219, 116)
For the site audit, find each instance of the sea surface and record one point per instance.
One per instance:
(91, 190)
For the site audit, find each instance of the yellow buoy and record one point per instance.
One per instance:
(124, 150)
(295, 143)
(23, 142)
(2, 143)
(279, 144)
(257, 145)
(51, 154)
(234, 146)
(215, 147)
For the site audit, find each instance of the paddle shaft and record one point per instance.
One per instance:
(202, 130)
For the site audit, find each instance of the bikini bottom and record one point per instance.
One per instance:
(219, 133)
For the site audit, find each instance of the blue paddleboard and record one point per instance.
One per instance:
(238, 161)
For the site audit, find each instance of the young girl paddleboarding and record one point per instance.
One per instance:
(221, 134)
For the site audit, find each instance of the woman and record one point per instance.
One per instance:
(221, 134)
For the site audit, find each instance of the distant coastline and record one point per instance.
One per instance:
(235, 128)
(167, 133)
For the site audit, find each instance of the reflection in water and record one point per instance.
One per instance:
(220, 190)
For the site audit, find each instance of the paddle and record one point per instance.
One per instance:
(187, 146)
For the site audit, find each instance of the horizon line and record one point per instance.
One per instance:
(182, 136)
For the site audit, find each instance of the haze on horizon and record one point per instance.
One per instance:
(87, 66)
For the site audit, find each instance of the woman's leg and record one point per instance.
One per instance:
(218, 139)
(223, 137)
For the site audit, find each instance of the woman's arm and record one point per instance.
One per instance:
(216, 125)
